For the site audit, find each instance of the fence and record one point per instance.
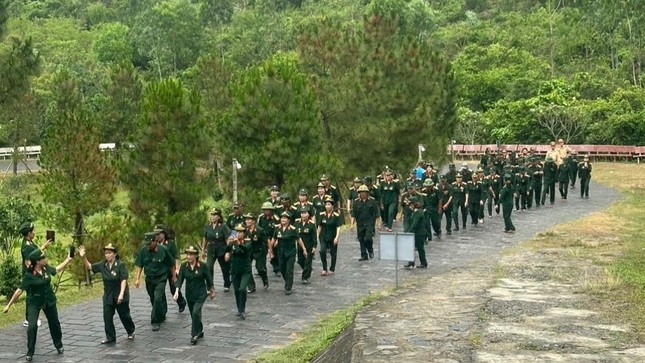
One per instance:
(596, 152)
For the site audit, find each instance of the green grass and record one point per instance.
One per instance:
(317, 338)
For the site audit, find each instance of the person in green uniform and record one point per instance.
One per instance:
(451, 175)
(163, 237)
(274, 196)
(445, 203)
(364, 213)
(584, 174)
(459, 201)
(466, 173)
(431, 202)
(307, 231)
(116, 295)
(406, 205)
(475, 201)
(268, 222)
(40, 297)
(156, 262)
(506, 199)
(286, 238)
(550, 171)
(573, 168)
(238, 252)
(214, 246)
(303, 203)
(484, 193)
(418, 227)
(259, 249)
(319, 199)
(535, 172)
(27, 230)
(236, 217)
(390, 192)
(199, 282)
(328, 233)
(494, 183)
(332, 191)
(563, 178)
(523, 184)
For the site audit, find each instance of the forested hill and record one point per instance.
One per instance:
(524, 71)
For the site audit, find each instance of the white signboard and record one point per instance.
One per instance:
(396, 246)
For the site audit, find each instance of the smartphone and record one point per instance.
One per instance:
(72, 251)
(51, 235)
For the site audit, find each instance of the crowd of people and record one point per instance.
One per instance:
(286, 233)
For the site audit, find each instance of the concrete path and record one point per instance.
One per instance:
(273, 318)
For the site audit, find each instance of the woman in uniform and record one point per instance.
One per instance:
(116, 295)
(239, 253)
(214, 246)
(198, 282)
(40, 296)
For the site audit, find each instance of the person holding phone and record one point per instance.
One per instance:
(116, 295)
(40, 297)
(198, 281)
(27, 230)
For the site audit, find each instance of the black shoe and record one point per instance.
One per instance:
(193, 340)
(422, 266)
(106, 341)
(409, 265)
(200, 335)
(464, 226)
(456, 228)
(131, 336)
(155, 327)
(449, 232)
(250, 291)
(363, 259)
(60, 350)
(29, 358)
(266, 285)
(287, 292)
(371, 254)
(243, 316)
(305, 282)
(226, 289)
(182, 308)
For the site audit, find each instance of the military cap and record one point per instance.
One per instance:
(267, 205)
(302, 191)
(149, 237)
(428, 183)
(507, 176)
(216, 211)
(301, 210)
(411, 185)
(109, 247)
(363, 188)
(329, 199)
(480, 170)
(459, 175)
(388, 172)
(191, 249)
(250, 215)
(367, 179)
(274, 187)
(321, 185)
(324, 177)
(522, 168)
(285, 214)
(240, 227)
(357, 180)
(236, 205)
(442, 176)
(25, 228)
(451, 165)
(586, 157)
(285, 196)
(549, 158)
(36, 255)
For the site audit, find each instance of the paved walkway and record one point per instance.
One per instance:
(273, 318)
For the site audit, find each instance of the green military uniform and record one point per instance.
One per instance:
(451, 175)
(287, 238)
(466, 173)
(365, 212)
(307, 231)
(563, 178)
(241, 269)
(390, 192)
(418, 227)
(26, 248)
(234, 219)
(459, 193)
(268, 224)
(573, 169)
(113, 275)
(445, 192)
(198, 282)
(328, 224)
(535, 172)
(319, 202)
(584, 174)
(475, 195)
(550, 171)
(216, 236)
(171, 245)
(506, 199)
(259, 242)
(523, 185)
(406, 205)
(431, 204)
(40, 296)
(299, 207)
(156, 264)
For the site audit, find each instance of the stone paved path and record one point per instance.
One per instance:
(274, 318)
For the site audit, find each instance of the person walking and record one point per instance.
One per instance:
(286, 241)
(116, 295)
(365, 211)
(260, 247)
(199, 283)
(214, 246)
(506, 199)
(328, 233)
(390, 191)
(40, 297)
(307, 231)
(418, 227)
(164, 238)
(155, 260)
(27, 230)
(584, 174)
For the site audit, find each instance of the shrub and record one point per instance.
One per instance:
(9, 276)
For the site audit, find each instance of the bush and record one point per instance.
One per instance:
(9, 277)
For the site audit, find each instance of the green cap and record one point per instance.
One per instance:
(363, 188)
(507, 176)
(36, 255)
(249, 215)
(267, 206)
(285, 214)
(356, 180)
(285, 196)
(428, 183)
(191, 249)
(549, 159)
(149, 237)
(302, 191)
(329, 199)
(25, 228)
(367, 179)
(240, 227)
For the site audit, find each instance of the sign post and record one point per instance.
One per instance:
(395, 246)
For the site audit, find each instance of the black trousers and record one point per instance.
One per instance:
(564, 188)
(195, 308)
(537, 192)
(224, 265)
(260, 257)
(366, 243)
(51, 312)
(156, 288)
(507, 209)
(489, 203)
(240, 283)
(181, 302)
(549, 188)
(473, 208)
(306, 262)
(333, 251)
(584, 187)
(123, 309)
(460, 206)
(287, 262)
